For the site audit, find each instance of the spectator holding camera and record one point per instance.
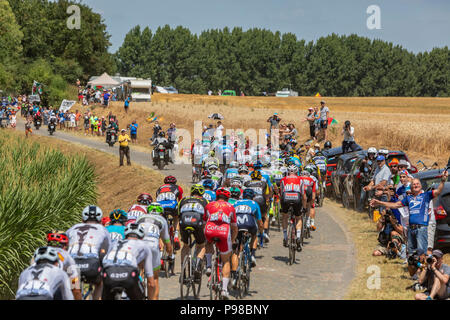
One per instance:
(379, 180)
(435, 278)
(390, 236)
(349, 138)
(418, 203)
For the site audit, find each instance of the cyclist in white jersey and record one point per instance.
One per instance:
(89, 242)
(44, 280)
(122, 265)
(156, 228)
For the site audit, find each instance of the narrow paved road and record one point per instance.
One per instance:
(323, 270)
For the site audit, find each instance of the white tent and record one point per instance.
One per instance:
(105, 81)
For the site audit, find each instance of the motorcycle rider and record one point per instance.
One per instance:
(52, 121)
(162, 140)
(112, 128)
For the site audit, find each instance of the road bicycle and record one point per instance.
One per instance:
(291, 236)
(215, 279)
(167, 264)
(244, 266)
(187, 280)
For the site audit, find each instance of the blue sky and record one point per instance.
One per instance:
(417, 25)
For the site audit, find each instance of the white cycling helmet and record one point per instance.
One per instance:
(372, 150)
(243, 168)
(383, 151)
(136, 229)
(46, 253)
(92, 213)
(305, 173)
(292, 168)
(213, 166)
(234, 164)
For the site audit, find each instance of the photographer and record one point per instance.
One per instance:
(349, 138)
(435, 278)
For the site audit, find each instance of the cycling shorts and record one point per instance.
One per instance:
(194, 220)
(262, 204)
(125, 277)
(293, 199)
(247, 221)
(223, 233)
(90, 269)
(170, 207)
(156, 253)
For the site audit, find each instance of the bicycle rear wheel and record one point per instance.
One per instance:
(277, 214)
(240, 281)
(165, 262)
(214, 291)
(291, 243)
(195, 286)
(185, 278)
(248, 268)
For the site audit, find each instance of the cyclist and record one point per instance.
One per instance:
(248, 215)
(231, 172)
(216, 175)
(266, 177)
(168, 196)
(44, 280)
(89, 242)
(191, 211)
(140, 208)
(309, 187)
(243, 172)
(122, 265)
(291, 195)
(209, 194)
(220, 218)
(211, 159)
(236, 194)
(156, 229)
(60, 241)
(312, 170)
(116, 228)
(262, 195)
(327, 146)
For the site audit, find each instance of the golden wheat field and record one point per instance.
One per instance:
(419, 126)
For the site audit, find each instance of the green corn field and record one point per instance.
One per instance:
(40, 190)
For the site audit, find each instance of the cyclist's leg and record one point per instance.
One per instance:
(156, 263)
(312, 211)
(298, 221)
(185, 246)
(176, 227)
(284, 221)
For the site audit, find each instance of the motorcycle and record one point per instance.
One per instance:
(111, 137)
(51, 128)
(159, 156)
(37, 123)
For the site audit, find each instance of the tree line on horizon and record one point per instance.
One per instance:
(259, 60)
(37, 45)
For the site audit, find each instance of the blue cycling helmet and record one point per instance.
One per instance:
(118, 215)
(258, 165)
(248, 194)
(208, 184)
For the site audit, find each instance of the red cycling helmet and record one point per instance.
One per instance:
(60, 238)
(223, 192)
(145, 199)
(105, 221)
(170, 180)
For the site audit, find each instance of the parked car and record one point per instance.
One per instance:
(229, 93)
(171, 90)
(343, 167)
(332, 156)
(400, 155)
(441, 206)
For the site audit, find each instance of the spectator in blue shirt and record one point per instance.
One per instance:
(127, 104)
(133, 131)
(418, 203)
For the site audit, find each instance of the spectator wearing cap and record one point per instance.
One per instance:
(403, 165)
(380, 180)
(418, 203)
(435, 278)
(394, 179)
(274, 121)
(124, 148)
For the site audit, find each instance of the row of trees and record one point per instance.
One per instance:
(38, 45)
(259, 60)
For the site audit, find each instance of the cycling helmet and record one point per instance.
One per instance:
(208, 184)
(212, 153)
(45, 254)
(92, 213)
(105, 221)
(372, 150)
(292, 168)
(305, 173)
(57, 239)
(236, 181)
(327, 145)
(161, 134)
(145, 199)
(243, 168)
(118, 215)
(155, 208)
(257, 165)
(197, 189)
(248, 194)
(234, 164)
(213, 167)
(170, 180)
(136, 229)
(222, 192)
(235, 192)
(256, 175)
(384, 152)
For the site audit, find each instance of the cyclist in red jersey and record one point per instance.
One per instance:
(291, 195)
(221, 223)
(139, 209)
(309, 197)
(168, 195)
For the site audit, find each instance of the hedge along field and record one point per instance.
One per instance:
(40, 190)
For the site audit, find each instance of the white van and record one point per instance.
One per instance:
(139, 90)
